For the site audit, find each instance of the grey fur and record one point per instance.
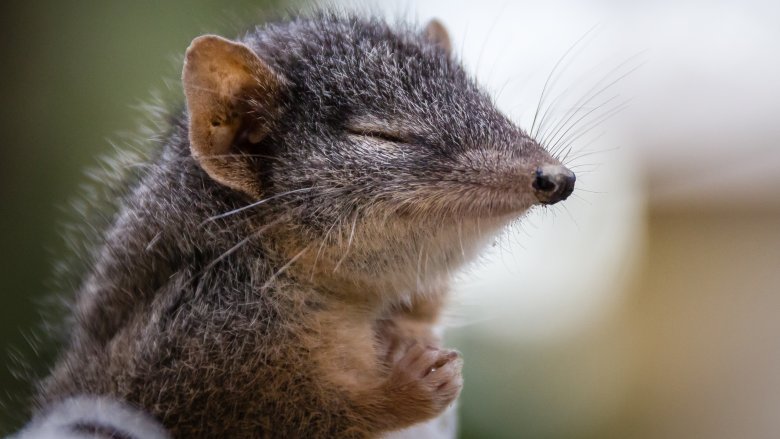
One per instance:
(194, 307)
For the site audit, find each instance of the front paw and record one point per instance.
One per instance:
(425, 380)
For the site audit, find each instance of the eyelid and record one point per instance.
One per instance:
(379, 133)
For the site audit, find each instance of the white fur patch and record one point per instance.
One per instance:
(68, 419)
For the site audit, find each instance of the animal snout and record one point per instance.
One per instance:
(553, 183)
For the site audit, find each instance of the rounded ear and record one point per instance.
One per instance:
(436, 33)
(232, 100)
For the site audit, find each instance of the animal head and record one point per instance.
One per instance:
(388, 163)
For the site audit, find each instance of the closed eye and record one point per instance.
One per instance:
(385, 136)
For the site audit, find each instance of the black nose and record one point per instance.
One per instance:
(553, 183)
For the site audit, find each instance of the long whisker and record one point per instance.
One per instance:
(590, 95)
(234, 248)
(257, 203)
(580, 119)
(583, 148)
(254, 234)
(322, 246)
(594, 92)
(552, 72)
(349, 244)
(581, 198)
(283, 268)
(489, 33)
(571, 216)
(590, 191)
(567, 143)
(548, 110)
(573, 137)
(583, 154)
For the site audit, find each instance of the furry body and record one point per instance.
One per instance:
(289, 288)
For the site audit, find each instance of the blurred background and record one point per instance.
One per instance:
(645, 306)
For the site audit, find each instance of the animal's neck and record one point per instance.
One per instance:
(165, 229)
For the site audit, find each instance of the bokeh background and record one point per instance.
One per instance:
(646, 306)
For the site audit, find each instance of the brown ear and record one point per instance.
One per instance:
(231, 100)
(436, 33)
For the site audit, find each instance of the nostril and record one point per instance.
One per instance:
(542, 182)
(553, 183)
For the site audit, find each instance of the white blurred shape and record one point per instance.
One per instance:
(706, 120)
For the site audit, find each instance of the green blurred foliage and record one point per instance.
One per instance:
(72, 76)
